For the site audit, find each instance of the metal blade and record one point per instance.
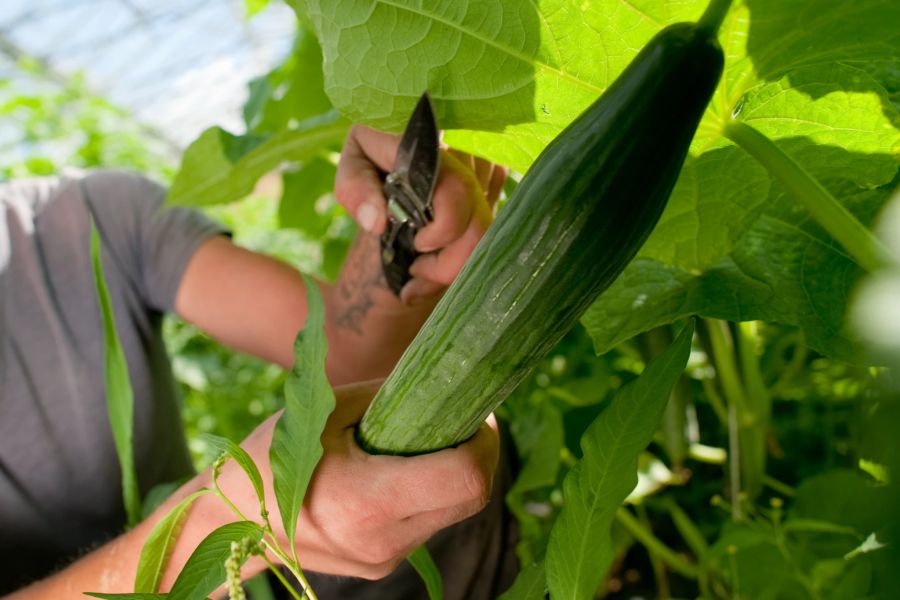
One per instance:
(419, 153)
(408, 189)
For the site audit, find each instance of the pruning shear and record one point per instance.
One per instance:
(409, 189)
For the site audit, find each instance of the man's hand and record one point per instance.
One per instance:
(364, 514)
(466, 191)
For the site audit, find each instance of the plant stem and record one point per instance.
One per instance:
(688, 529)
(722, 346)
(713, 16)
(292, 565)
(277, 572)
(653, 544)
(864, 248)
(734, 463)
(663, 591)
(294, 568)
(780, 487)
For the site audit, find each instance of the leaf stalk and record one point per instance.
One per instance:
(654, 544)
(864, 248)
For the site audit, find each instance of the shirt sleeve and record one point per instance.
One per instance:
(152, 243)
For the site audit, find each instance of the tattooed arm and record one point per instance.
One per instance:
(257, 304)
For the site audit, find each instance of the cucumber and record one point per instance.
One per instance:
(572, 225)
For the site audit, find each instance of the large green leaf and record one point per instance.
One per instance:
(785, 269)
(119, 395)
(204, 571)
(159, 545)
(299, 207)
(290, 93)
(220, 167)
(296, 446)
(580, 548)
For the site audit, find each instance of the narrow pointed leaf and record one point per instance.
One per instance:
(204, 571)
(240, 456)
(119, 396)
(580, 548)
(296, 446)
(158, 547)
(421, 561)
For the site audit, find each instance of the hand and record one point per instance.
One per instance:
(465, 193)
(364, 514)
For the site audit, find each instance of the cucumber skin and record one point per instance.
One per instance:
(574, 222)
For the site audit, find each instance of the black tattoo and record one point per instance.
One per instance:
(361, 275)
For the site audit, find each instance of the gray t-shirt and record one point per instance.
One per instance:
(60, 490)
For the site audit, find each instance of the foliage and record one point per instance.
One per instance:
(296, 448)
(579, 549)
(54, 121)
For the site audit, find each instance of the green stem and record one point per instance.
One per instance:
(294, 568)
(864, 248)
(734, 463)
(653, 543)
(722, 346)
(277, 572)
(292, 565)
(779, 486)
(713, 16)
(753, 435)
(663, 591)
(688, 530)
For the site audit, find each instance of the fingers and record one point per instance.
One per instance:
(443, 266)
(456, 194)
(465, 193)
(457, 479)
(358, 184)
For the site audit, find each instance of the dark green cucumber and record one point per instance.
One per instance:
(572, 225)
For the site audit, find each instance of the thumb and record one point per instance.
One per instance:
(358, 183)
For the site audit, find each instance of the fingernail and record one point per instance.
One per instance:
(367, 215)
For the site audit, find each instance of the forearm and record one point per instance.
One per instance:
(111, 568)
(368, 327)
(257, 304)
